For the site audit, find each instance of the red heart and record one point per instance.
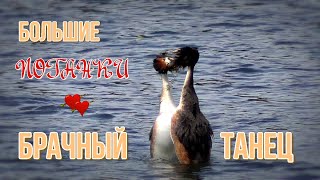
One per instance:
(72, 100)
(82, 107)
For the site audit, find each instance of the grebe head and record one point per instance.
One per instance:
(186, 56)
(173, 60)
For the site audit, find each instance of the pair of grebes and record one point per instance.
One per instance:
(180, 132)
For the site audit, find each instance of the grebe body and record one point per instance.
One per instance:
(182, 132)
(161, 145)
(190, 130)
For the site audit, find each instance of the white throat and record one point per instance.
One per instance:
(166, 100)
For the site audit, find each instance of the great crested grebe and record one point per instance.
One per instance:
(190, 130)
(161, 145)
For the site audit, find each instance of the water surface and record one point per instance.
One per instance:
(259, 70)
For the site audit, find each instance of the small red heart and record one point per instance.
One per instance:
(82, 107)
(72, 100)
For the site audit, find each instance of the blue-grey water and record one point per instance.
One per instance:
(259, 70)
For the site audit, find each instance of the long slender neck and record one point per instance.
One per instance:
(166, 102)
(189, 98)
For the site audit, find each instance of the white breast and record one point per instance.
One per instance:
(163, 145)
